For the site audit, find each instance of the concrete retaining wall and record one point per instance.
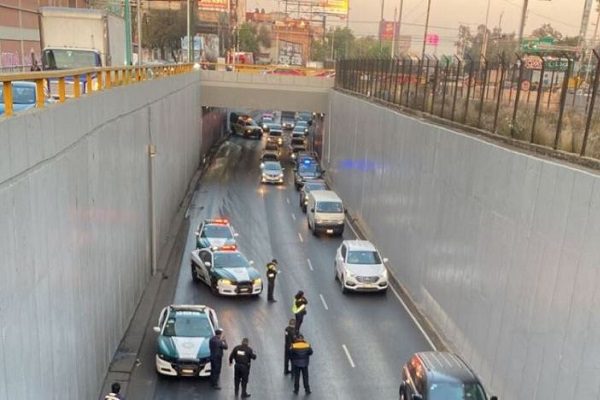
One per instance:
(75, 227)
(499, 249)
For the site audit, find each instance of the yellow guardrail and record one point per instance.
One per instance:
(270, 69)
(96, 79)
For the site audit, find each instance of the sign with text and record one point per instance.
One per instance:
(338, 7)
(386, 30)
(213, 4)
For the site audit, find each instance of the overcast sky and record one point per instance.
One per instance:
(447, 15)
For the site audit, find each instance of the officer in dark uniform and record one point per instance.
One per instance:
(300, 353)
(290, 333)
(243, 355)
(271, 275)
(217, 344)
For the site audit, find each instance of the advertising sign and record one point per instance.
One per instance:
(213, 4)
(338, 7)
(432, 39)
(386, 30)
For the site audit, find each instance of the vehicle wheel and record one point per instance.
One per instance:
(195, 276)
(303, 209)
(402, 394)
(344, 290)
(335, 275)
(214, 290)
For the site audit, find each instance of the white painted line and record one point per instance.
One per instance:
(354, 230)
(414, 319)
(348, 355)
(300, 236)
(287, 199)
(309, 264)
(324, 302)
(293, 216)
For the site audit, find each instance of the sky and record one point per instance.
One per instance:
(447, 15)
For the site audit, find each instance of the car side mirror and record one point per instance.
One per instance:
(251, 262)
(262, 165)
(312, 210)
(207, 263)
(345, 211)
(385, 260)
(417, 397)
(156, 329)
(197, 233)
(236, 234)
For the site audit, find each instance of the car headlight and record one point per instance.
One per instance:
(340, 222)
(248, 130)
(257, 282)
(167, 358)
(224, 282)
(318, 221)
(385, 274)
(280, 176)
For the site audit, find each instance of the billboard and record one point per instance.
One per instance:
(337, 7)
(220, 5)
(290, 53)
(386, 30)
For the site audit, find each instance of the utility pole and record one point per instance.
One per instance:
(426, 28)
(189, 33)
(139, 31)
(523, 19)
(486, 33)
(400, 16)
(394, 34)
(593, 46)
(381, 23)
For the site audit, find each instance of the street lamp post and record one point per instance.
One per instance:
(523, 19)
(426, 28)
(189, 33)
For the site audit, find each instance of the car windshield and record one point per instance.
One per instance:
(188, 324)
(297, 142)
(275, 133)
(271, 146)
(309, 168)
(271, 166)
(308, 186)
(269, 157)
(363, 257)
(456, 391)
(21, 94)
(71, 59)
(217, 231)
(330, 207)
(301, 123)
(230, 260)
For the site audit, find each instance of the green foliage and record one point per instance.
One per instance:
(163, 29)
(247, 39)
(499, 43)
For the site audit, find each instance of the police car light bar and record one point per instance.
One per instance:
(229, 247)
(221, 221)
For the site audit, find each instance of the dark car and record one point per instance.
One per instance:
(305, 172)
(306, 155)
(317, 184)
(245, 126)
(297, 145)
(434, 375)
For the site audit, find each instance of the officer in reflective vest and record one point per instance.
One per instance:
(114, 392)
(299, 309)
(271, 275)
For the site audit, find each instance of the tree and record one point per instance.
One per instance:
(163, 30)
(247, 38)
(547, 30)
(499, 43)
(264, 36)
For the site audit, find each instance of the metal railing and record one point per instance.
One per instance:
(533, 99)
(269, 69)
(72, 84)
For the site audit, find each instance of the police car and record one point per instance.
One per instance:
(184, 332)
(215, 232)
(226, 271)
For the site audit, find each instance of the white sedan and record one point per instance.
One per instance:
(360, 267)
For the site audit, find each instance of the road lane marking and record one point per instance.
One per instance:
(324, 302)
(293, 216)
(287, 199)
(414, 319)
(412, 316)
(348, 356)
(309, 264)
(300, 236)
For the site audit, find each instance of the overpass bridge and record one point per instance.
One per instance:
(494, 251)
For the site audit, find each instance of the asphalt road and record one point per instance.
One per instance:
(360, 341)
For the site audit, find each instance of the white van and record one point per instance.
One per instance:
(325, 212)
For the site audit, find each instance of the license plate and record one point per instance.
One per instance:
(187, 371)
(329, 230)
(244, 290)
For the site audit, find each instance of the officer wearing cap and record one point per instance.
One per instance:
(290, 333)
(216, 344)
(299, 309)
(271, 275)
(243, 355)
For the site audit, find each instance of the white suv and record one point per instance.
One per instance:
(359, 267)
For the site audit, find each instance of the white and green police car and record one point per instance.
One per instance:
(215, 232)
(183, 335)
(226, 271)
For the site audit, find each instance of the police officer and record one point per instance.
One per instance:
(290, 333)
(300, 353)
(271, 275)
(114, 392)
(299, 309)
(217, 344)
(243, 355)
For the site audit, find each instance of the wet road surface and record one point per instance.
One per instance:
(360, 341)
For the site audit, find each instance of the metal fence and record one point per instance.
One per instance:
(533, 99)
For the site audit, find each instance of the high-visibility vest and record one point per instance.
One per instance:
(112, 396)
(296, 309)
